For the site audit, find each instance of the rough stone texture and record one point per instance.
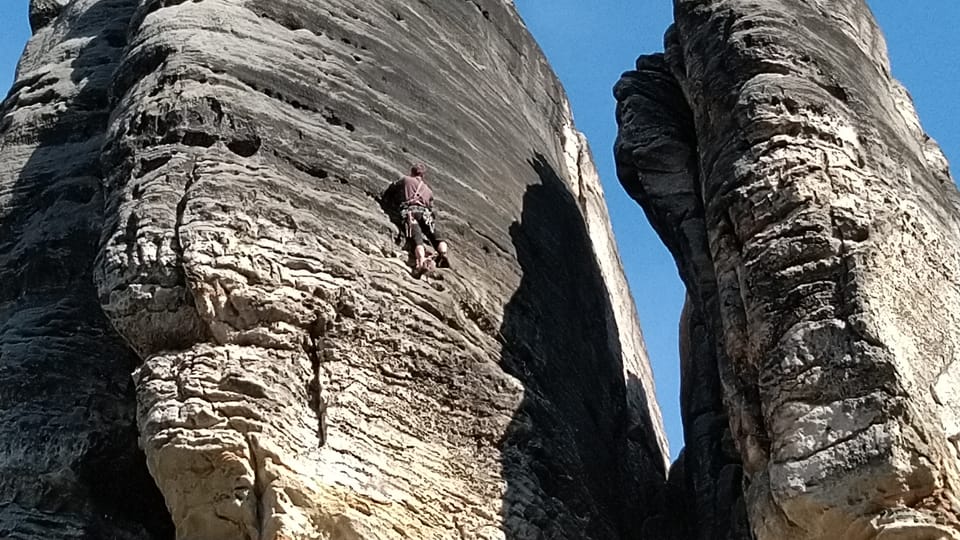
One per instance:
(68, 453)
(43, 12)
(815, 227)
(209, 171)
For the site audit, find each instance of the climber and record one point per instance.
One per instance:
(414, 200)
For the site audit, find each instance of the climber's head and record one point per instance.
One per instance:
(418, 170)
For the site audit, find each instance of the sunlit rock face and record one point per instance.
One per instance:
(815, 225)
(190, 193)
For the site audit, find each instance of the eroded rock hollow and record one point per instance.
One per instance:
(815, 226)
(189, 193)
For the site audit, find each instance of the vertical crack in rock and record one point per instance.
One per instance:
(259, 488)
(182, 207)
(813, 223)
(315, 390)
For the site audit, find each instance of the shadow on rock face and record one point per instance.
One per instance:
(70, 467)
(389, 201)
(565, 454)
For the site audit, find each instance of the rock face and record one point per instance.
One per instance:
(68, 453)
(815, 227)
(189, 193)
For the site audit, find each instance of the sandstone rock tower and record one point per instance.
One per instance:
(189, 194)
(815, 226)
(208, 332)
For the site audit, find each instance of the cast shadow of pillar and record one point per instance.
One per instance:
(70, 467)
(570, 471)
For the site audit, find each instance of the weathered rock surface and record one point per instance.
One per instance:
(206, 174)
(815, 227)
(68, 453)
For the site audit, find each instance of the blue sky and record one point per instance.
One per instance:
(590, 44)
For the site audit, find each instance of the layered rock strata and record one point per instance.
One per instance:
(68, 453)
(209, 171)
(814, 225)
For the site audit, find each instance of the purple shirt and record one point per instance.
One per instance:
(416, 192)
